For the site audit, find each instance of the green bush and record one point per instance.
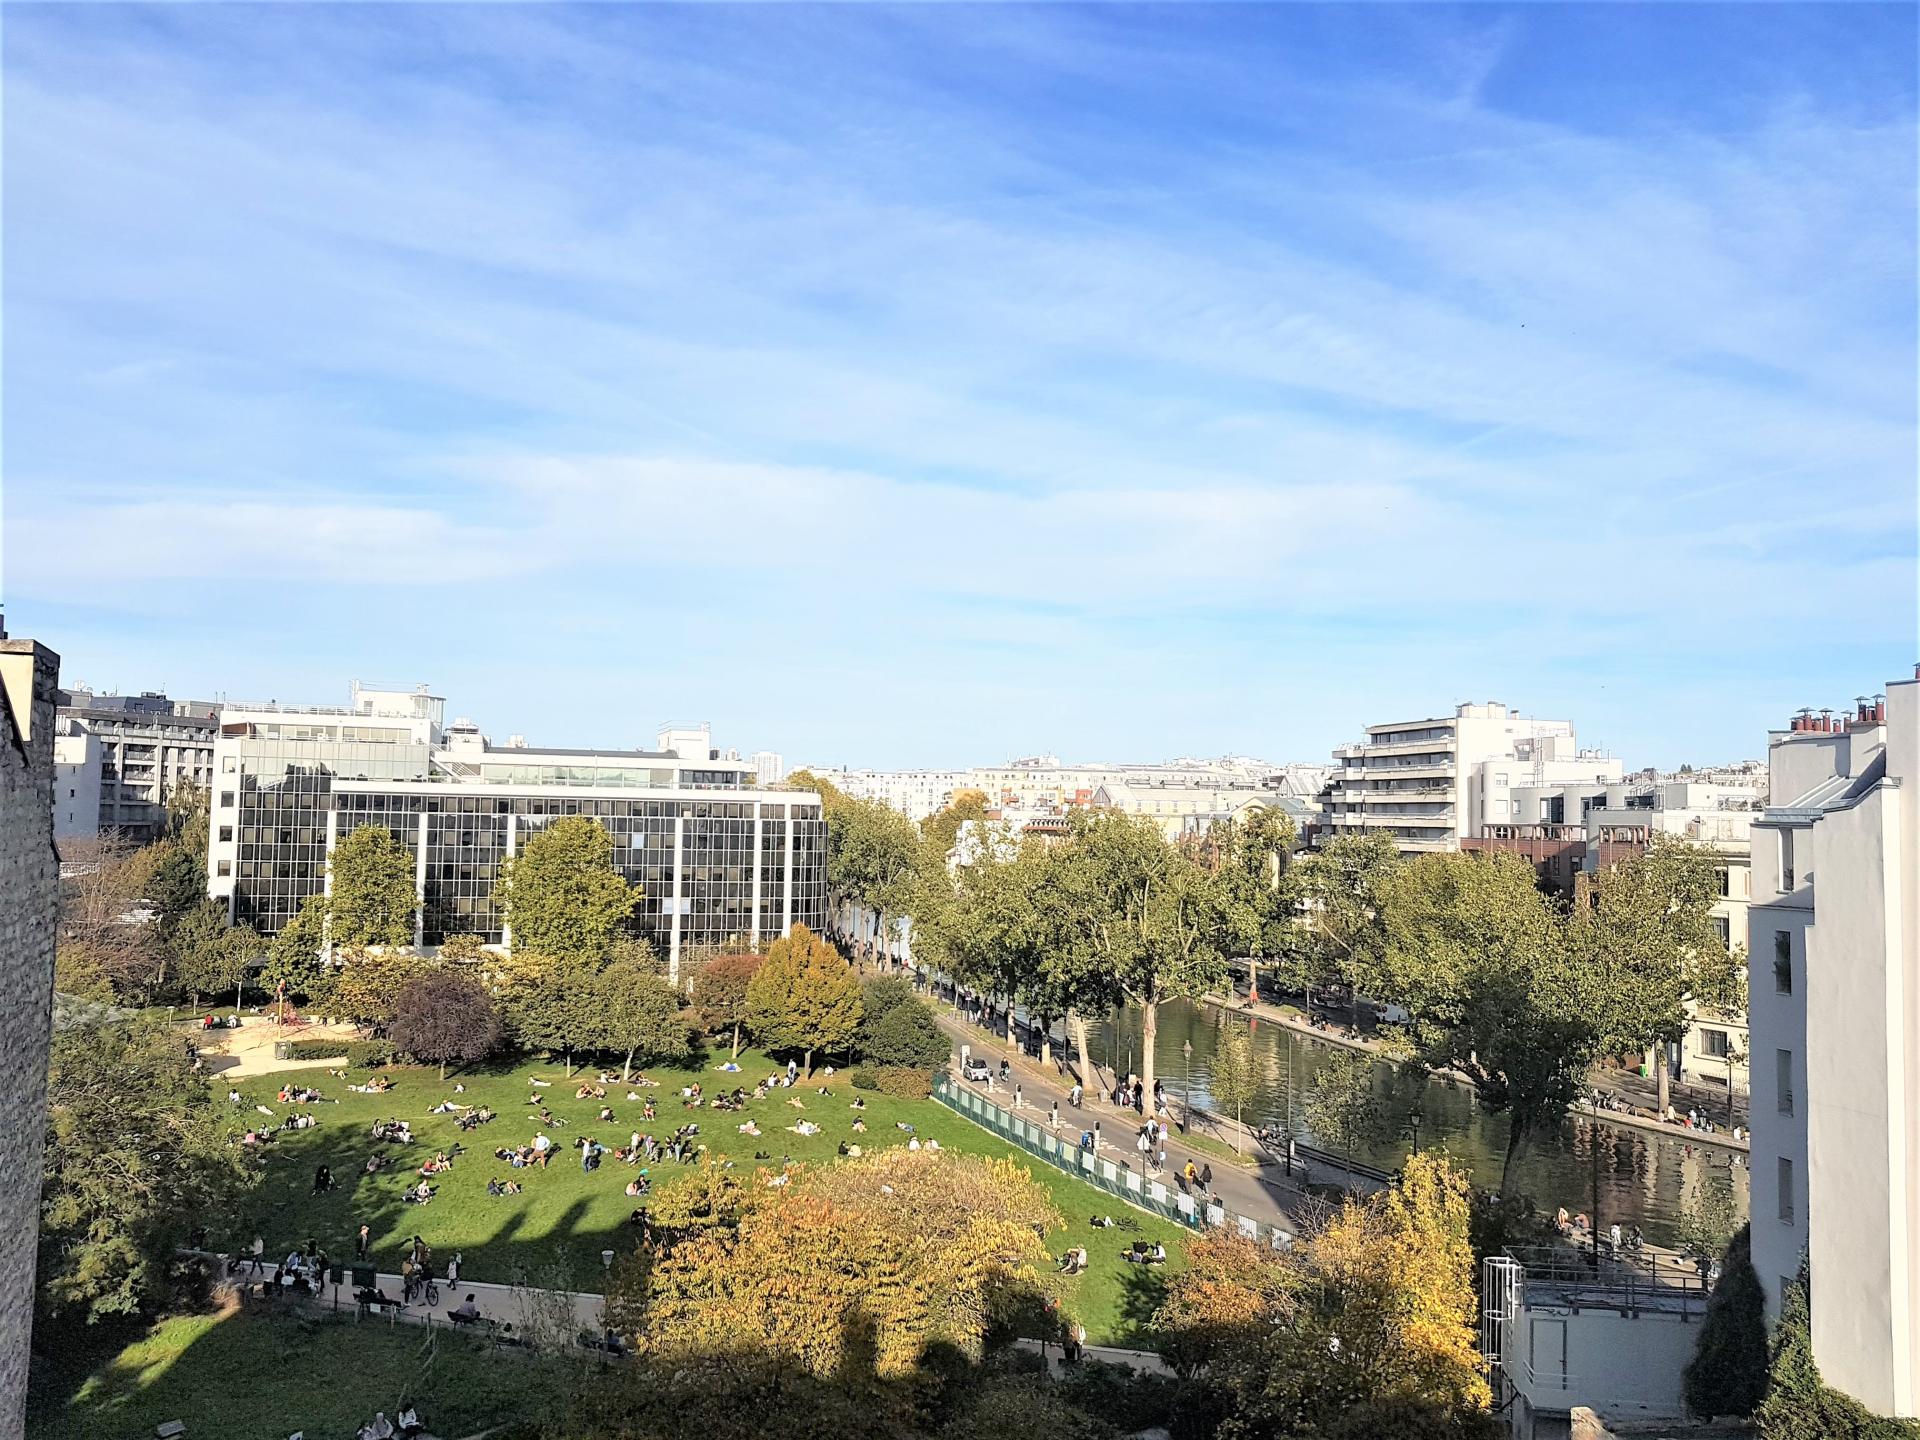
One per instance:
(1799, 1404)
(369, 1054)
(906, 1035)
(310, 1049)
(1728, 1372)
(901, 1081)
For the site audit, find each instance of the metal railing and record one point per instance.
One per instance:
(1561, 1275)
(1115, 1177)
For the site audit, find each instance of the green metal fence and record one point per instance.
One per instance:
(1115, 1177)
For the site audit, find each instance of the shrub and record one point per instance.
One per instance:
(903, 1082)
(907, 1035)
(1728, 1372)
(369, 1054)
(1799, 1404)
(310, 1049)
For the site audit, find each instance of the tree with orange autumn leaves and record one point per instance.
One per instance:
(866, 1265)
(1366, 1328)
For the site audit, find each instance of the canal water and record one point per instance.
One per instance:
(1645, 1178)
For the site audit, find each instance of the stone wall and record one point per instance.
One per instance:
(29, 896)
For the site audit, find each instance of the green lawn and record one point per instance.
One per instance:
(554, 1231)
(261, 1376)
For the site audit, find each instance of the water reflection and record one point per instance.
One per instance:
(1644, 1178)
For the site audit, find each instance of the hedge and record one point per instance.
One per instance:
(333, 1049)
(901, 1081)
(369, 1054)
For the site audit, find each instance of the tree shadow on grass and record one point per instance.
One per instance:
(1143, 1290)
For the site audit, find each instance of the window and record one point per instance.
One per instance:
(1786, 860)
(1783, 962)
(226, 834)
(1783, 1080)
(1785, 1171)
(226, 799)
(1713, 1043)
(1724, 928)
(226, 867)
(1726, 881)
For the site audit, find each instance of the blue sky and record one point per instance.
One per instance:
(901, 386)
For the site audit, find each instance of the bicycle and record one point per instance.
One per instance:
(432, 1292)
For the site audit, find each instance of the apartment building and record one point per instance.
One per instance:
(1429, 784)
(29, 897)
(1041, 785)
(718, 859)
(129, 752)
(1835, 1013)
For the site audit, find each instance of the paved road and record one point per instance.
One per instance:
(1266, 1192)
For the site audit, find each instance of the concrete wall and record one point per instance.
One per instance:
(1623, 1365)
(76, 786)
(29, 896)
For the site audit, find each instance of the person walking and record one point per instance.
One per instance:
(1190, 1176)
(1206, 1178)
(453, 1269)
(1073, 1095)
(1053, 1116)
(362, 1243)
(1018, 1103)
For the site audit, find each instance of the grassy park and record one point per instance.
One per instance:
(553, 1232)
(239, 1376)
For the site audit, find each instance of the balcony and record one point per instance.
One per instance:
(1441, 746)
(1378, 818)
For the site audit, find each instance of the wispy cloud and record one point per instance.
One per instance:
(1133, 324)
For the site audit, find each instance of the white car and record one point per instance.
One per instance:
(975, 1069)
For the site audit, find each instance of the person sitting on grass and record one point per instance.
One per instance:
(859, 1127)
(419, 1194)
(323, 1180)
(638, 1186)
(409, 1422)
(805, 1127)
(858, 1104)
(606, 1114)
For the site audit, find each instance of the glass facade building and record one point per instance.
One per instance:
(717, 863)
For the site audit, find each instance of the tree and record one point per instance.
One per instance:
(1341, 1108)
(856, 1268)
(562, 895)
(367, 984)
(1710, 1217)
(371, 897)
(640, 1014)
(211, 954)
(550, 1003)
(1235, 1081)
(804, 997)
(1366, 1328)
(1253, 858)
(135, 1157)
(176, 878)
(1339, 891)
(720, 993)
(873, 858)
(1728, 1372)
(442, 1016)
(1649, 935)
(102, 886)
(906, 1035)
(1141, 915)
(1482, 962)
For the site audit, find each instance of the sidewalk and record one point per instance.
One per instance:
(1264, 1192)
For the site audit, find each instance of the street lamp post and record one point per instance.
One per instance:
(1186, 1049)
(1416, 1118)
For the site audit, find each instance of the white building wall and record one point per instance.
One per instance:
(76, 786)
(1853, 1024)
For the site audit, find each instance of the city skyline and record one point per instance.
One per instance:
(1116, 384)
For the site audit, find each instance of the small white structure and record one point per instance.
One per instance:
(1559, 1333)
